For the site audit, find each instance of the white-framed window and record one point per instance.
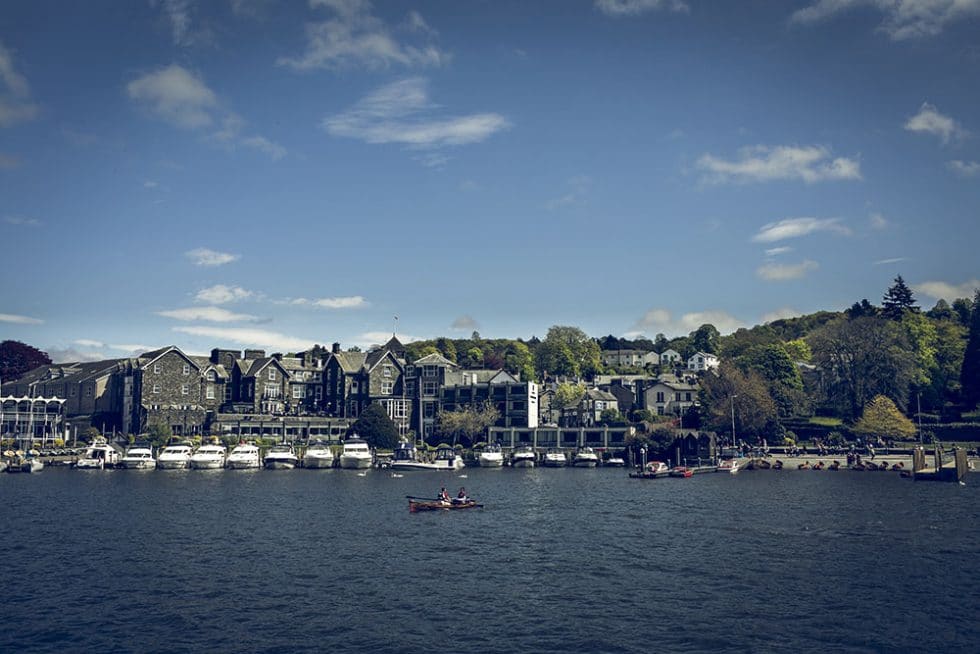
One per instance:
(211, 375)
(271, 390)
(429, 371)
(185, 389)
(410, 372)
(156, 388)
(297, 392)
(386, 387)
(354, 386)
(187, 369)
(660, 396)
(318, 394)
(210, 392)
(156, 368)
(430, 410)
(272, 374)
(428, 388)
(400, 409)
(386, 371)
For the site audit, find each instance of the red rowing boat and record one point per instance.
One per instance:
(415, 506)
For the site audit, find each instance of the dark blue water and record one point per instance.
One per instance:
(566, 560)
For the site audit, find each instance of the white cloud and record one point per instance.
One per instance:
(633, 7)
(777, 272)
(578, 189)
(661, 321)
(88, 342)
(797, 227)
(175, 95)
(946, 290)
(71, 355)
(210, 314)
(20, 221)
(178, 12)
(250, 337)
(885, 262)
(930, 121)
(351, 302)
(19, 320)
(263, 144)
(356, 38)
(903, 19)
(964, 168)
(878, 221)
(780, 314)
(16, 104)
(207, 257)
(402, 113)
(763, 163)
(773, 252)
(464, 323)
(222, 294)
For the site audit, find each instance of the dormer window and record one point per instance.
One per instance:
(211, 375)
(387, 371)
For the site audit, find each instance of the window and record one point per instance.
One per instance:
(185, 389)
(660, 410)
(354, 386)
(297, 392)
(211, 376)
(386, 387)
(156, 388)
(187, 369)
(156, 368)
(210, 392)
(227, 392)
(319, 393)
(430, 410)
(410, 387)
(401, 409)
(410, 372)
(428, 388)
(429, 371)
(687, 397)
(88, 391)
(660, 396)
(271, 390)
(272, 374)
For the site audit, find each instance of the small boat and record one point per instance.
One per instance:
(414, 506)
(175, 457)
(615, 462)
(729, 465)
(98, 456)
(554, 458)
(244, 456)
(585, 457)
(21, 462)
(523, 457)
(652, 470)
(356, 455)
(281, 457)
(491, 456)
(318, 455)
(680, 471)
(209, 457)
(138, 457)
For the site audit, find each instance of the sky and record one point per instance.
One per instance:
(253, 173)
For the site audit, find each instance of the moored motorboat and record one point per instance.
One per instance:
(405, 457)
(729, 465)
(491, 456)
(680, 471)
(244, 456)
(523, 457)
(356, 455)
(138, 457)
(318, 455)
(98, 456)
(280, 457)
(585, 457)
(652, 470)
(209, 457)
(554, 458)
(615, 462)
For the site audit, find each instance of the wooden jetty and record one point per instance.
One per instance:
(945, 467)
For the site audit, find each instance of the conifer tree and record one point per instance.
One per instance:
(970, 372)
(898, 299)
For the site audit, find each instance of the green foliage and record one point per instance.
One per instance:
(474, 357)
(90, 434)
(375, 427)
(755, 409)
(798, 350)
(898, 300)
(612, 417)
(447, 348)
(705, 339)
(568, 351)
(159, 432)
(519, 361)
(774, 364)
(469, 422)
(567, 395)
(921, 336)
(882, 418)
(17, 358)
(970, 371)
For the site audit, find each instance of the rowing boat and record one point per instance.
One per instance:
(415, 506)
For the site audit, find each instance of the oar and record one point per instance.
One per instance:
(427, 499)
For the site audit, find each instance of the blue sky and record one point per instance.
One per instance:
(274, 174)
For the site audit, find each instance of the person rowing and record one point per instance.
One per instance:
(461, 497)
(443, 495)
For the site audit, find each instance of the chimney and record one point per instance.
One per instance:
(335, 348)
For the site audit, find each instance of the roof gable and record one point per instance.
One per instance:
(158, 354)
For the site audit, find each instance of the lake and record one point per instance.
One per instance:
(559, 560)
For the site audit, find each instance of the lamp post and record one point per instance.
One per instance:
(733, 423)
(918, 413)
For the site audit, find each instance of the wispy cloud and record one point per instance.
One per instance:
(178, 12)
(354, 37)
(662, 321)
(763, 163)
(249, 337)
(902, 19)
(946, 290)
(71, 355)
(222, 294)
(262, 144)
(885, 262)
(878, 221)
(209, 314)
(964, 168)
(780, 314)
(464, 323)
(16, 104)
(779, 272)
(930, 121)
(797, 227)
(402, 113)
(207, 257)
(351, 302)
(21, 221)
(577, 188)
(19, 320)
(774, 252)
(619, 8)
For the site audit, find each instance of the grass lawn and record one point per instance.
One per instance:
(826, 421)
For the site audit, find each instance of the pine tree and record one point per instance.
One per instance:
(898, 299)
(970, 372)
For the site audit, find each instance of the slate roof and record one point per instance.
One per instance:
(435, 359)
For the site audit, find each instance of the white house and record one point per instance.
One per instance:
(635, 358)
(702, 361)
(670, 357)
(668, 398)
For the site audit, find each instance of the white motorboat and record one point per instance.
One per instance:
(138, 457)
(356, 455)
(491, 456)
(209, 457)
(19, 462)
(98, 456)
(280, 457)
(318, 455)
(554, 458)
(244, 456)
(729, 465)
(585, 457)
(405, 457)
(615, 462)
(175, 457)
(523, 457)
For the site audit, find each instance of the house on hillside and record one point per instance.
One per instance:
(670, 398)
(630, 358)
(670, 358)
(702, 361)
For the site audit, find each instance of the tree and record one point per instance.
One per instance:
(376, 428)
(611, 417)
(705, 339)
(782, 377)
(555, 358)
(881, 418)
(970, 371)
(17, 358)
(518, 360)
(576, 353)
(447, 348)
(942, 311)
(468, 422)
(798, 350)
(898, 300)
(862, 309)
(474, 357)
(567, 395)
(755, 410)
(964, 310)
